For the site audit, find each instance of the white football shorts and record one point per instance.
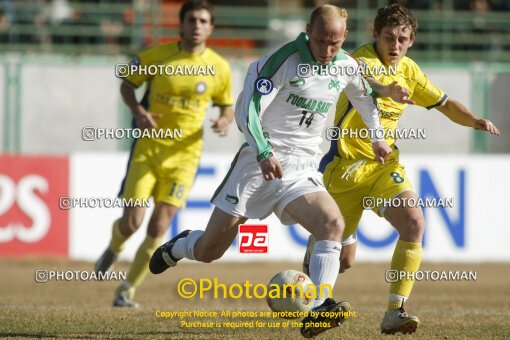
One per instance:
(245, 193)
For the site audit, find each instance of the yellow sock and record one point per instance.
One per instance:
(118, 239)
(406, 258)
(140, 266)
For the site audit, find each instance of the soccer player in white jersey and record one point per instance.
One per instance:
(282, 116)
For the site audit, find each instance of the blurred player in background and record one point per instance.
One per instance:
(350, 173)
(282, 115)
(165, 168)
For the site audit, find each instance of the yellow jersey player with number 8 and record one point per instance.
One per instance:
(351, 175)
(183, 78)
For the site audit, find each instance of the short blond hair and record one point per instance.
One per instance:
(328, 12)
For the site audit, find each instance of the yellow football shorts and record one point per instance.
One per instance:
(357, 185)
(163, 172)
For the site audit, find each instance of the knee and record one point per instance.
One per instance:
(333, 228)
(414, 226)
(129, 224)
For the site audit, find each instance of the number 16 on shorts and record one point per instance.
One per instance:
(253, 238)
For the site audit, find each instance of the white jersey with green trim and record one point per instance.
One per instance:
(287, 96)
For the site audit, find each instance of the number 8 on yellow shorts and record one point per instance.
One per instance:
(358, 185)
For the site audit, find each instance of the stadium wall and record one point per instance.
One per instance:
(474, 228)
(44, 93)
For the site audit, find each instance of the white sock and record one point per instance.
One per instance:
(184, 247)
(397, 297)
(324, 267)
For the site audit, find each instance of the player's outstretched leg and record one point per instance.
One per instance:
(162, 259)
(326, 316)
(204, 246)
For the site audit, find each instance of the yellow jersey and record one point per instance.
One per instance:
(407, 74)
(181, 87)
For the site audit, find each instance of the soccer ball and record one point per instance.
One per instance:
(290, 291)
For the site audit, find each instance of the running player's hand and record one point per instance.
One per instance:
(271, 168)
(220, 125)
(486, 125)
(399, 94)
(381, 150)
(146, 120)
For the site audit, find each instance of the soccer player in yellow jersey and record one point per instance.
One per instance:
(164, 168)
(351, 173)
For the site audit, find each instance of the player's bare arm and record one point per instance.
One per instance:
(221, 123)
(394, 91)
(144, 119)
(460, 114)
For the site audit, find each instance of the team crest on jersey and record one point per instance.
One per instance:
(334, 84)
(263, 85)
(362, 65)
(297, 82)
(201, 87)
